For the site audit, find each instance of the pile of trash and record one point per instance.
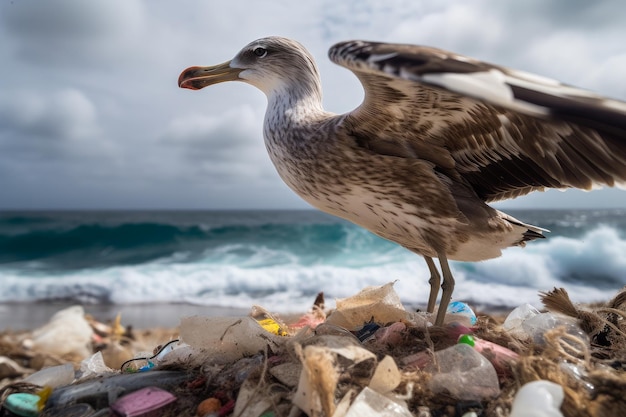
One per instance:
(367, 357)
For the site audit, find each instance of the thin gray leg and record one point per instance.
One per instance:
(447, 287)
(434, 281)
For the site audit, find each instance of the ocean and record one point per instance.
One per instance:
(282, 259)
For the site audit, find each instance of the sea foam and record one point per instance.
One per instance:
(591, 268)
(283, 259)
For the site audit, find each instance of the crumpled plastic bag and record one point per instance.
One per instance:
(67, 333)
(221, 340)
(378, 303)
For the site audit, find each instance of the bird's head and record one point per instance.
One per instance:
(271, 64)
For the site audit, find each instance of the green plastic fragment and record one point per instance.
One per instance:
(467, 339)
(23, 404)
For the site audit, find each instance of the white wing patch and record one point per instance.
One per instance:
(533, 78)
(491, 86)
(380, 57)
(614, 104)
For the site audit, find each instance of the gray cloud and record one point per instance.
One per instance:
(223, 147)
(64, 114)
(91, 116)
(52, 125)
(67, 32)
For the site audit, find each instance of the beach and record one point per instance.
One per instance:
(28, 316)
(224, 353)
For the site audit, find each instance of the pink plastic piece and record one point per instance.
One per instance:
(500, 357)
(390, 335)
(311, 319)
(417, 360)
(146, 402)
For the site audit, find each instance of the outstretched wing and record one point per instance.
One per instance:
(504, 131)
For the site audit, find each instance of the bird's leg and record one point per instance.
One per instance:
(447, 287)
(434, 281)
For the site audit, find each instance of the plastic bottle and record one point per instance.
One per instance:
(513, 322)
(463, 373)
(538, 399)
(54, 376)
(500, 357)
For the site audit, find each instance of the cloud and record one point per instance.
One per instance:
(67, 32)
(46, 122)
(460, 27)
(607, 76)
(90, 113)
(227, 147)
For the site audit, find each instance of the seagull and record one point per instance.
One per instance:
(437, 137)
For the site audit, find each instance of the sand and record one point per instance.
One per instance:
(28, 316)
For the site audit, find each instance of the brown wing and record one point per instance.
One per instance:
(505, 132)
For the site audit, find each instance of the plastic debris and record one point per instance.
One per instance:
(223, 339)
(273, 327)
(93, 366)
(513, 322)
(378, 304)
(103, 391)
(500, 357)
(312, 319)
(386, 377)
(538, 399)
(537, 326)
(577, 373)
(23, 404)
(143, 402)
(146, 363)
(460, 312)
(370, 403)
(391, 335)
(361, 363)
(367, 331)
(463, 373)
(269, 321)
(66, 334)
(54, 376)
(419, 360)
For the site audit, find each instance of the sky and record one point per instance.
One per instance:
(91, 116)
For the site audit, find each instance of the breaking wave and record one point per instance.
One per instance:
(282, 261)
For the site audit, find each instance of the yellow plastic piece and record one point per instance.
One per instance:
(43, 395)
(273, 327)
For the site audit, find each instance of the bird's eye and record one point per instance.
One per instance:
(260, 52)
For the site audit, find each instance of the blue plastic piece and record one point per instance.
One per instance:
(458, 307)
(23, 404)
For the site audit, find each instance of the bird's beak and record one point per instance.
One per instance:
(196, 78)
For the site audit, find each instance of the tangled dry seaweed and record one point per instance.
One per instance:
(323, 370)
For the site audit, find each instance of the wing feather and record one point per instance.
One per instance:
(504, 131)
